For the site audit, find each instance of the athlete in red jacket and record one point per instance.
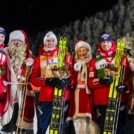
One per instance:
(101, 84)
(42, 77)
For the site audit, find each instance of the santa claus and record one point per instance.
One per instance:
(20, 103)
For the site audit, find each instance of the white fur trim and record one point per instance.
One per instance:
(22, 78)
(77, 66)
(29, 61)
(91, 74)
(95, 80)
(50, 35)
(17, 34)
(5, 119)
(2, 58)
(82, 44)
(81, 86)
(23, 124)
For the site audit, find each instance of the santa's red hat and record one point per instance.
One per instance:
(81, 43)
(20, 35)
(17, 35)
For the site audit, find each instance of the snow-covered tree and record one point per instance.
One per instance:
(117, 21)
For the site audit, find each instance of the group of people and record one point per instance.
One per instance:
(27, 85)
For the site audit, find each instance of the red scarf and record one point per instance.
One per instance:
(2, 46)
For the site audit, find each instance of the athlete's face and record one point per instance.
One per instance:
(2, 38)
(106, 45)
(82, 52)
(50, 43)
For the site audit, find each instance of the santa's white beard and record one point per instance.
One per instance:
(17, 56)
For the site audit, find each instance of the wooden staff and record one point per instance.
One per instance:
(14, 83)
(24, 94)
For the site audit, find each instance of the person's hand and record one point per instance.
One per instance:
(48, 81)
(121, 88)
(63, 83)
(2, 57)
(56, 82)
(106, 80)
(2, 51)
(52, 82)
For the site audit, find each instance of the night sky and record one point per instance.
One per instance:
(42, 15)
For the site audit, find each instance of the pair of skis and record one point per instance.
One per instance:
(113, 107)
(57, 118)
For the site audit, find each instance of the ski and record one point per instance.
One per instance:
(113, 98)
(56, 123)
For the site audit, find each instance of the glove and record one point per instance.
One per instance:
(106, 81)
(2, 57)
(52, 82)
(121, 88)
(63, 83)
(2, 51)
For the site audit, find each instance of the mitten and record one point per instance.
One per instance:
(55, 82)
(2, 57)
(48, 81)
(52, 82)
(2, 51)
(106, 80)
(64, 82)
(121, 88)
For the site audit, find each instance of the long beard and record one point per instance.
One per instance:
(17, 55)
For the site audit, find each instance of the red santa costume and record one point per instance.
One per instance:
(3, 60)
(81, 105)
(17, 65)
